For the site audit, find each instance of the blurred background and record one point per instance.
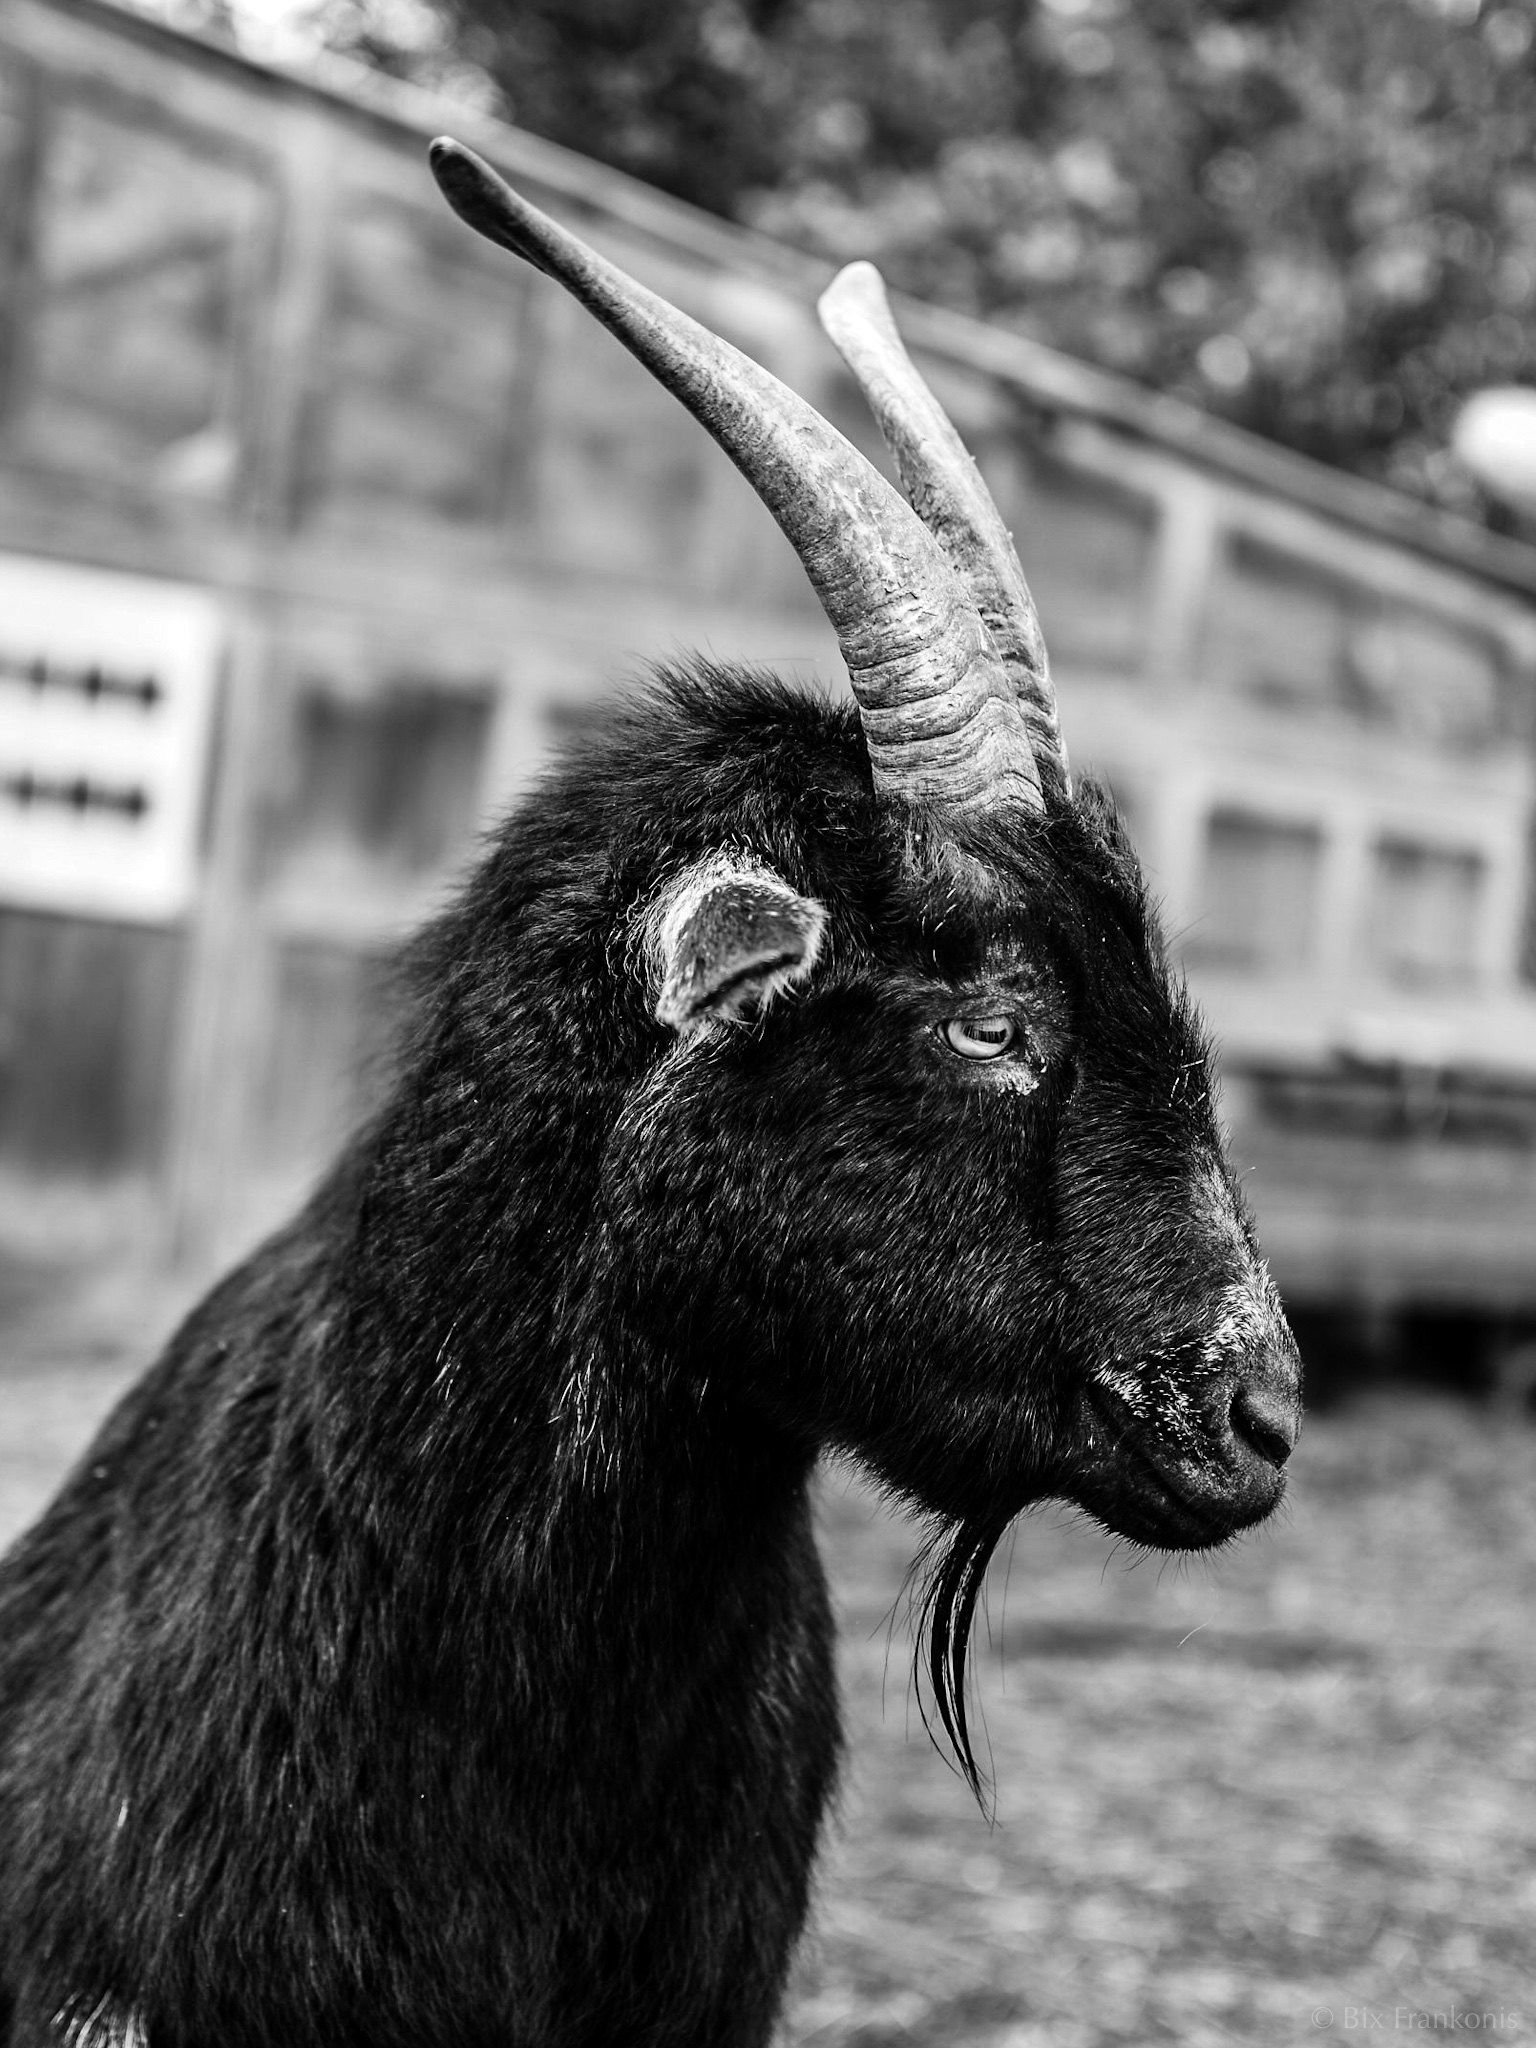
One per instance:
(321, 523)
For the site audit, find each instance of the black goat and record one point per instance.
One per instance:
(433, 1648)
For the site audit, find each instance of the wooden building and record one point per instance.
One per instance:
(319, 520)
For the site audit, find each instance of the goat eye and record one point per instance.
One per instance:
(981, 1038)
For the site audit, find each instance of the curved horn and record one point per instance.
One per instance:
(938, 710)
(948, 493)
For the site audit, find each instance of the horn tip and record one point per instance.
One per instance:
(855, 300)
(861, 272)
(442, 151)
(465, 180)
(856, 283)
(484, 201)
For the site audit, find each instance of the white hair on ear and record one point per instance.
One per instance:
(663, 918)
(106, 2024)
(666, 925)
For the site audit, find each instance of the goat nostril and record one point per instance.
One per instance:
(1268, 1420)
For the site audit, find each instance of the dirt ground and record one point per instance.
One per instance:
(1279, 1795)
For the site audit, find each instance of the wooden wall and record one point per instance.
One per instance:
(245, 352)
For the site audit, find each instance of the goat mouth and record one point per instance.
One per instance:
(1167, 1500)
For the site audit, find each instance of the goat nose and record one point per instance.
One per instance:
(1267, 1417)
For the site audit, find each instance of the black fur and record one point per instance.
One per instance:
(433, 1648)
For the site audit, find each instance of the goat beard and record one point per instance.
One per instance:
(952, 1570)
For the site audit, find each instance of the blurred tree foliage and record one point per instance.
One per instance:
(1317, 217)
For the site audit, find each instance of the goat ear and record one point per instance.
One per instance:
(730, 939)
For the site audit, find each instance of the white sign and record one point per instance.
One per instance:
(106, 698)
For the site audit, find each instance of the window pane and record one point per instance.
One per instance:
(142, 246)
(334, 1011)
(15, 141)
(1088, 548)
(384, 789)
(1423, 912)
(1276, 629)
(1260, 892)
(418, 400)
(621, 472)
(88, 1018)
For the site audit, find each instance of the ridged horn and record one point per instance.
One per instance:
(949, 495)
(937, 707)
